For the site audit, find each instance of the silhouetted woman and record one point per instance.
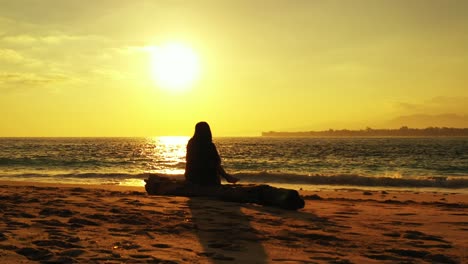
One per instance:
(203, 165)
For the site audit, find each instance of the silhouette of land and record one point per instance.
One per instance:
(369, 132)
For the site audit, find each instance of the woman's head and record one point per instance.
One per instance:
(202, 131)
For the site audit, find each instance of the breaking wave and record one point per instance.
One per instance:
(356, 180)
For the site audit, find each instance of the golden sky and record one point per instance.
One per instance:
(84, 68)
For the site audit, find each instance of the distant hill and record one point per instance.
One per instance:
(369, 132)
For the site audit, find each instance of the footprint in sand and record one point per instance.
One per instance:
(19, 214)
(55, 243)
(347, 213)
(404, 254)
(439, 258)
(8, 247)
(55, 212)
(399, 223)
(378, 256)
(405, 214)
(72, 253)
(125, 244)
(339, 216)
(101, 217)
(82, 222)
(79, 190)
(36, 254)
(140, 256)
(55, 202)
(408, 253)
(143, 232)
(51, 222)
(416, 235)
(328, 260)
(160, 245)
(319, 252)
(392, 234)
(58, 235)
(462, 214)
(14, 225)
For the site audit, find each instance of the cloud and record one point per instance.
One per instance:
(14, 57)
(6, 25)
(135, 49)
(435, 105)
(58, 38)
(447, 100)
(20, 39)
(11, 56)
(407, 106)
(9, 80)
(426, 120)
(109, 74)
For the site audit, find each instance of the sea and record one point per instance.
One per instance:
(439, 164)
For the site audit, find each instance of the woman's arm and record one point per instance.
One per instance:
(229, 178)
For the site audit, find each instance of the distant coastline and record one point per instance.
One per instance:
(369, 132)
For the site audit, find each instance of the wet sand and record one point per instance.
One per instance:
(51, 223)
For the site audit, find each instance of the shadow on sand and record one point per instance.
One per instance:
(225, 232)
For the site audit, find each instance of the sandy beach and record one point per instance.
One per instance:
(51, 223)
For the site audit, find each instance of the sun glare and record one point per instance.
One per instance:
(170, 152)
(175, 66)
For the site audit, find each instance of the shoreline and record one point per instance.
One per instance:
(136, 184)
(74, 223)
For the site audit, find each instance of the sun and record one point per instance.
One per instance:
(175, 66)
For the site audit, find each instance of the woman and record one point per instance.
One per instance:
(203, 164)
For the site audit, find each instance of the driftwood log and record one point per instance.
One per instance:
(241, 193)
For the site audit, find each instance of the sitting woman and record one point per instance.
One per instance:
(203, 163)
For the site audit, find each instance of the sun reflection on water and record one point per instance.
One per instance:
(170, 154)
(132, 182)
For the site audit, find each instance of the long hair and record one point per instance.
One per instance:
(202, 132)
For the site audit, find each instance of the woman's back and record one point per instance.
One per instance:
(202, 162)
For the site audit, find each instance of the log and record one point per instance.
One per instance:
(241, 193)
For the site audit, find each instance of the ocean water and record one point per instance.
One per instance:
(305, 163)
